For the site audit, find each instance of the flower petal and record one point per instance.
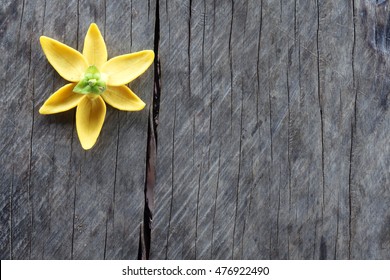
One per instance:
(94, 50)
(68, 62)
(125, 68)
(62, 100)
(90, 116)
(123, 98)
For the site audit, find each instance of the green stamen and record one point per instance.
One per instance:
(93, 82)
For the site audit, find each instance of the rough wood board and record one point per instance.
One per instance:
(273, 137)
(58, 201)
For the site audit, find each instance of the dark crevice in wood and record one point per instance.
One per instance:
(197, 211)
(231, 68)
(74, 194)
(173, 180)
(73, 224)
(320, 103)
(145, 239)
(353, 126)
(289, 133)
(148, 9)
(141, 245)
(11, 214)
(78, 25)
(337, 226)
(131, 24)
(157, 72)
(105, 18)
(323, 249)
(31, 145)
(189, 48)
(215, 205)
(270, 126)
(151, 153)
(105, 241)
(239, 173)
(74, 216)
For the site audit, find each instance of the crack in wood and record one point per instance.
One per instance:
(150, 178)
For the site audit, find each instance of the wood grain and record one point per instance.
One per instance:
(274, 127)
(57, 200)
(266, 134)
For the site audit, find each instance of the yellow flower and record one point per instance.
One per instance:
(94, 82)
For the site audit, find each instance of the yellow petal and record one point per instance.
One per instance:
(90, 116)
(68, 62)
(123, 98)
(94, 50)
(62, 100)
(125, 68)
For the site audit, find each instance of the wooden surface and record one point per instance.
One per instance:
(57, 200)
(270, 119)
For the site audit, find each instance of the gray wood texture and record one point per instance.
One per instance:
(57, 200)
(266, 134)
(273, 137)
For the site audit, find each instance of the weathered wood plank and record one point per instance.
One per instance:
(16, 122)
(337, 101)
(273, 130)
(57, 200)
(370, 186)
(272, 137)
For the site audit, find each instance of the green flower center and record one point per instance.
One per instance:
(92, 83)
